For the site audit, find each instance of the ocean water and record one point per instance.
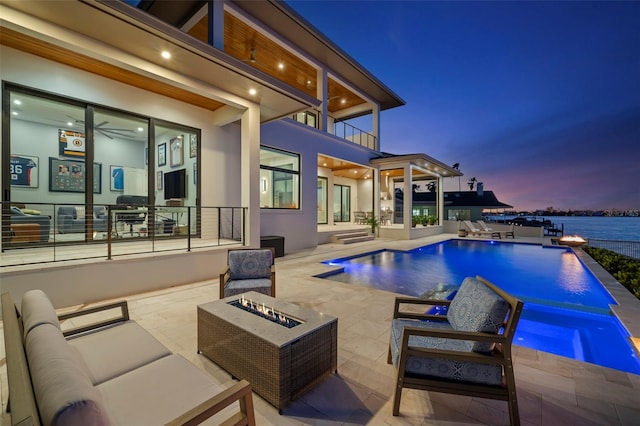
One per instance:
(600, 227)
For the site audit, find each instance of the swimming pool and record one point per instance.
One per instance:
(566, 308)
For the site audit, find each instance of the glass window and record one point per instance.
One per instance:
(323, 183)
(279, 179)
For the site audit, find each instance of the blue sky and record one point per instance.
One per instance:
(540, 101)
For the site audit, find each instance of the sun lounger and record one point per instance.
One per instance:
(479, 232)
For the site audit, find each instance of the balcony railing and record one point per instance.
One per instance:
(341, 129)
(41, 233)
(351, 133)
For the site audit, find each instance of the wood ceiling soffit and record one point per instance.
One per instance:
(337, 93)
(240, 39)
(55, 53)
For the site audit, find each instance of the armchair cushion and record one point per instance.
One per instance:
(249, 264)
(476, 307)
(489, 374)
(36, 309)
(260, 285)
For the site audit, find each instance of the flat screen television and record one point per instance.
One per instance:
(175, 184)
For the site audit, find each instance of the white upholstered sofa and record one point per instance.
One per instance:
(107, 372)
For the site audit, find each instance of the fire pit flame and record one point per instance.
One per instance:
(266, 311)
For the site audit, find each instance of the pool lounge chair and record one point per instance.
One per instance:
(479, 232)
(486, 228)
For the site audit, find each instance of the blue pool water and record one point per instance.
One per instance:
(566, 308)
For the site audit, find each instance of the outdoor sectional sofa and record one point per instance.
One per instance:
(107, 372)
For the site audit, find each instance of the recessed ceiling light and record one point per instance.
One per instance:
(324, 164)
(281, 66)
(17, 102)
(355, 171)
(69, 123)
(14, 113)
(344, 101)
(309, 82)
(166, 54)
(252, 91)
(140, 129)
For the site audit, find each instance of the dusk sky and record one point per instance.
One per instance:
(540, 101)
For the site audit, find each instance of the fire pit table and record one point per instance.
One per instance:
(282, 349)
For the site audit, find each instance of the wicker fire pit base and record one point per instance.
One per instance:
(280, 363)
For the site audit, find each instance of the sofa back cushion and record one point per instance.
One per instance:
(36, 309)
(477, 308)
(248, 264)
(63, 390)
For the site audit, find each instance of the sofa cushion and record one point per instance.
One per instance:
(128, 346)
(437, 367)
(260, 285)
(158, 392)
(245, 264)
(36, 309)
(62, 387)
(477, 308)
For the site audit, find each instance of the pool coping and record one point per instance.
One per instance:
(627, 309)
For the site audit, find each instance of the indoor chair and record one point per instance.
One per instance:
(137, 204)
(249, 270)
(465, 352)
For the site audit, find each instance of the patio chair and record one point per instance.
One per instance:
(507, 234)
(476, 231)
(466, 351)
(249, 270)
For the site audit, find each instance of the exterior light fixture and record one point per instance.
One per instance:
(252, 92)
(165, 54)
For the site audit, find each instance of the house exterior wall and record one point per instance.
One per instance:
(299, 226)
(220, 146)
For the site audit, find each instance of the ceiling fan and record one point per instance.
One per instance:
(109, 132)
(252, 58)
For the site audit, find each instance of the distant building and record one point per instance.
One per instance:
(458, 205)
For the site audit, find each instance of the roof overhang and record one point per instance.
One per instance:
(105, 31)
(428, 164)
(293, 27)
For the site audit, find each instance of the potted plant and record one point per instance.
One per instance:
(374, 222)
(432, 220)
(462, 232)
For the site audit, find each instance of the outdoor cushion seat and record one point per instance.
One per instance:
(249, 270)
(161, 390)
(129, 334)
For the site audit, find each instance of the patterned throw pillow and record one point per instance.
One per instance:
(245, 264)
(477, 308)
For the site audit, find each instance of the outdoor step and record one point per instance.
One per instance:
(352, 237)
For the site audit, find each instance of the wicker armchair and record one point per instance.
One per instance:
(465, 352)
(249, 270)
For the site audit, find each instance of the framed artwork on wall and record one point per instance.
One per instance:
(159, 181)
(23, 170)
(193, 146)
(176, 151)
(70, 175)
(71, 143)
(117, 179)
(162, 154)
